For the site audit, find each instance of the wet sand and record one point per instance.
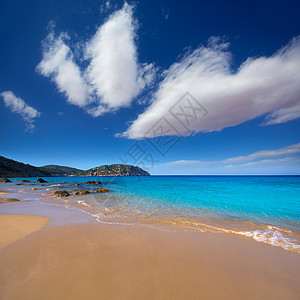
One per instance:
(15, 227)
(99, 261)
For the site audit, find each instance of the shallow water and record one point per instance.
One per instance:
(266, 208)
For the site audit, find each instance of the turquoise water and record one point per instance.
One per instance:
(266, 208)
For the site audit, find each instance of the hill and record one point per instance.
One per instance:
(117, 170)
(61, 170)
(12, 168)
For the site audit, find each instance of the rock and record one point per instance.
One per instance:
(33, 189)
(102, 190)
(93, 182)
(26, 181)
(81, 192)
(5, 180)
(41, 180)
(20, 184)
(8, 200)
(61, 193)
(64, 182)
(77, 184)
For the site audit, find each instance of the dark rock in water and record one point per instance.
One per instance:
(20, 184)
(8, 200)
(93, 182)
(64, 182)
(77, 184)
(26, 181)
(102, 190)
(61, 193)
(5, 180)
(81, 192)
(41, 180)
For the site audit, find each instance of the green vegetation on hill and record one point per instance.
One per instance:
(12, 168)
(117, 170)
(61, 170)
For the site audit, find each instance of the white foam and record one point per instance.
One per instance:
(273, 236)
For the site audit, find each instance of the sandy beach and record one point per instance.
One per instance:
(15, 227)
(89, 260)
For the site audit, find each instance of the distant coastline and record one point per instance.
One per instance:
(12, 168)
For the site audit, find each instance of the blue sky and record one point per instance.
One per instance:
(176, 87)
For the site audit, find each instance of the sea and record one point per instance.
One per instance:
(264, 208)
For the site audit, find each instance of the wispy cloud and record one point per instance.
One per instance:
(274, 157)
(286, 151)
(295, 160)
(17, 105)
(113, 78)
(259, 157)
(165, 13)
(262, 86)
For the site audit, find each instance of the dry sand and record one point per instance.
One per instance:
(2, 193)
(133, 262)
(15, 227)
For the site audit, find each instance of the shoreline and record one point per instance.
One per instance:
(75, 257)
(261, 233)
(104, 261)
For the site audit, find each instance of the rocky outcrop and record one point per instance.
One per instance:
(102, 190)
(41, 180)
(26, 181)
(117, 170)
(93, 182)
(81, 192)
(5, 180)
(61, 193)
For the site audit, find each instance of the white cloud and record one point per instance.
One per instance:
(58, 64)
(263, 85)
(113, 78)
(254, 157)
(114, 71)
(286, 151)
(17, 105)
(283, 115)
(295, 160)
(279, 161)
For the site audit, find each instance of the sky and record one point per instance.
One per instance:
(175, 87)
